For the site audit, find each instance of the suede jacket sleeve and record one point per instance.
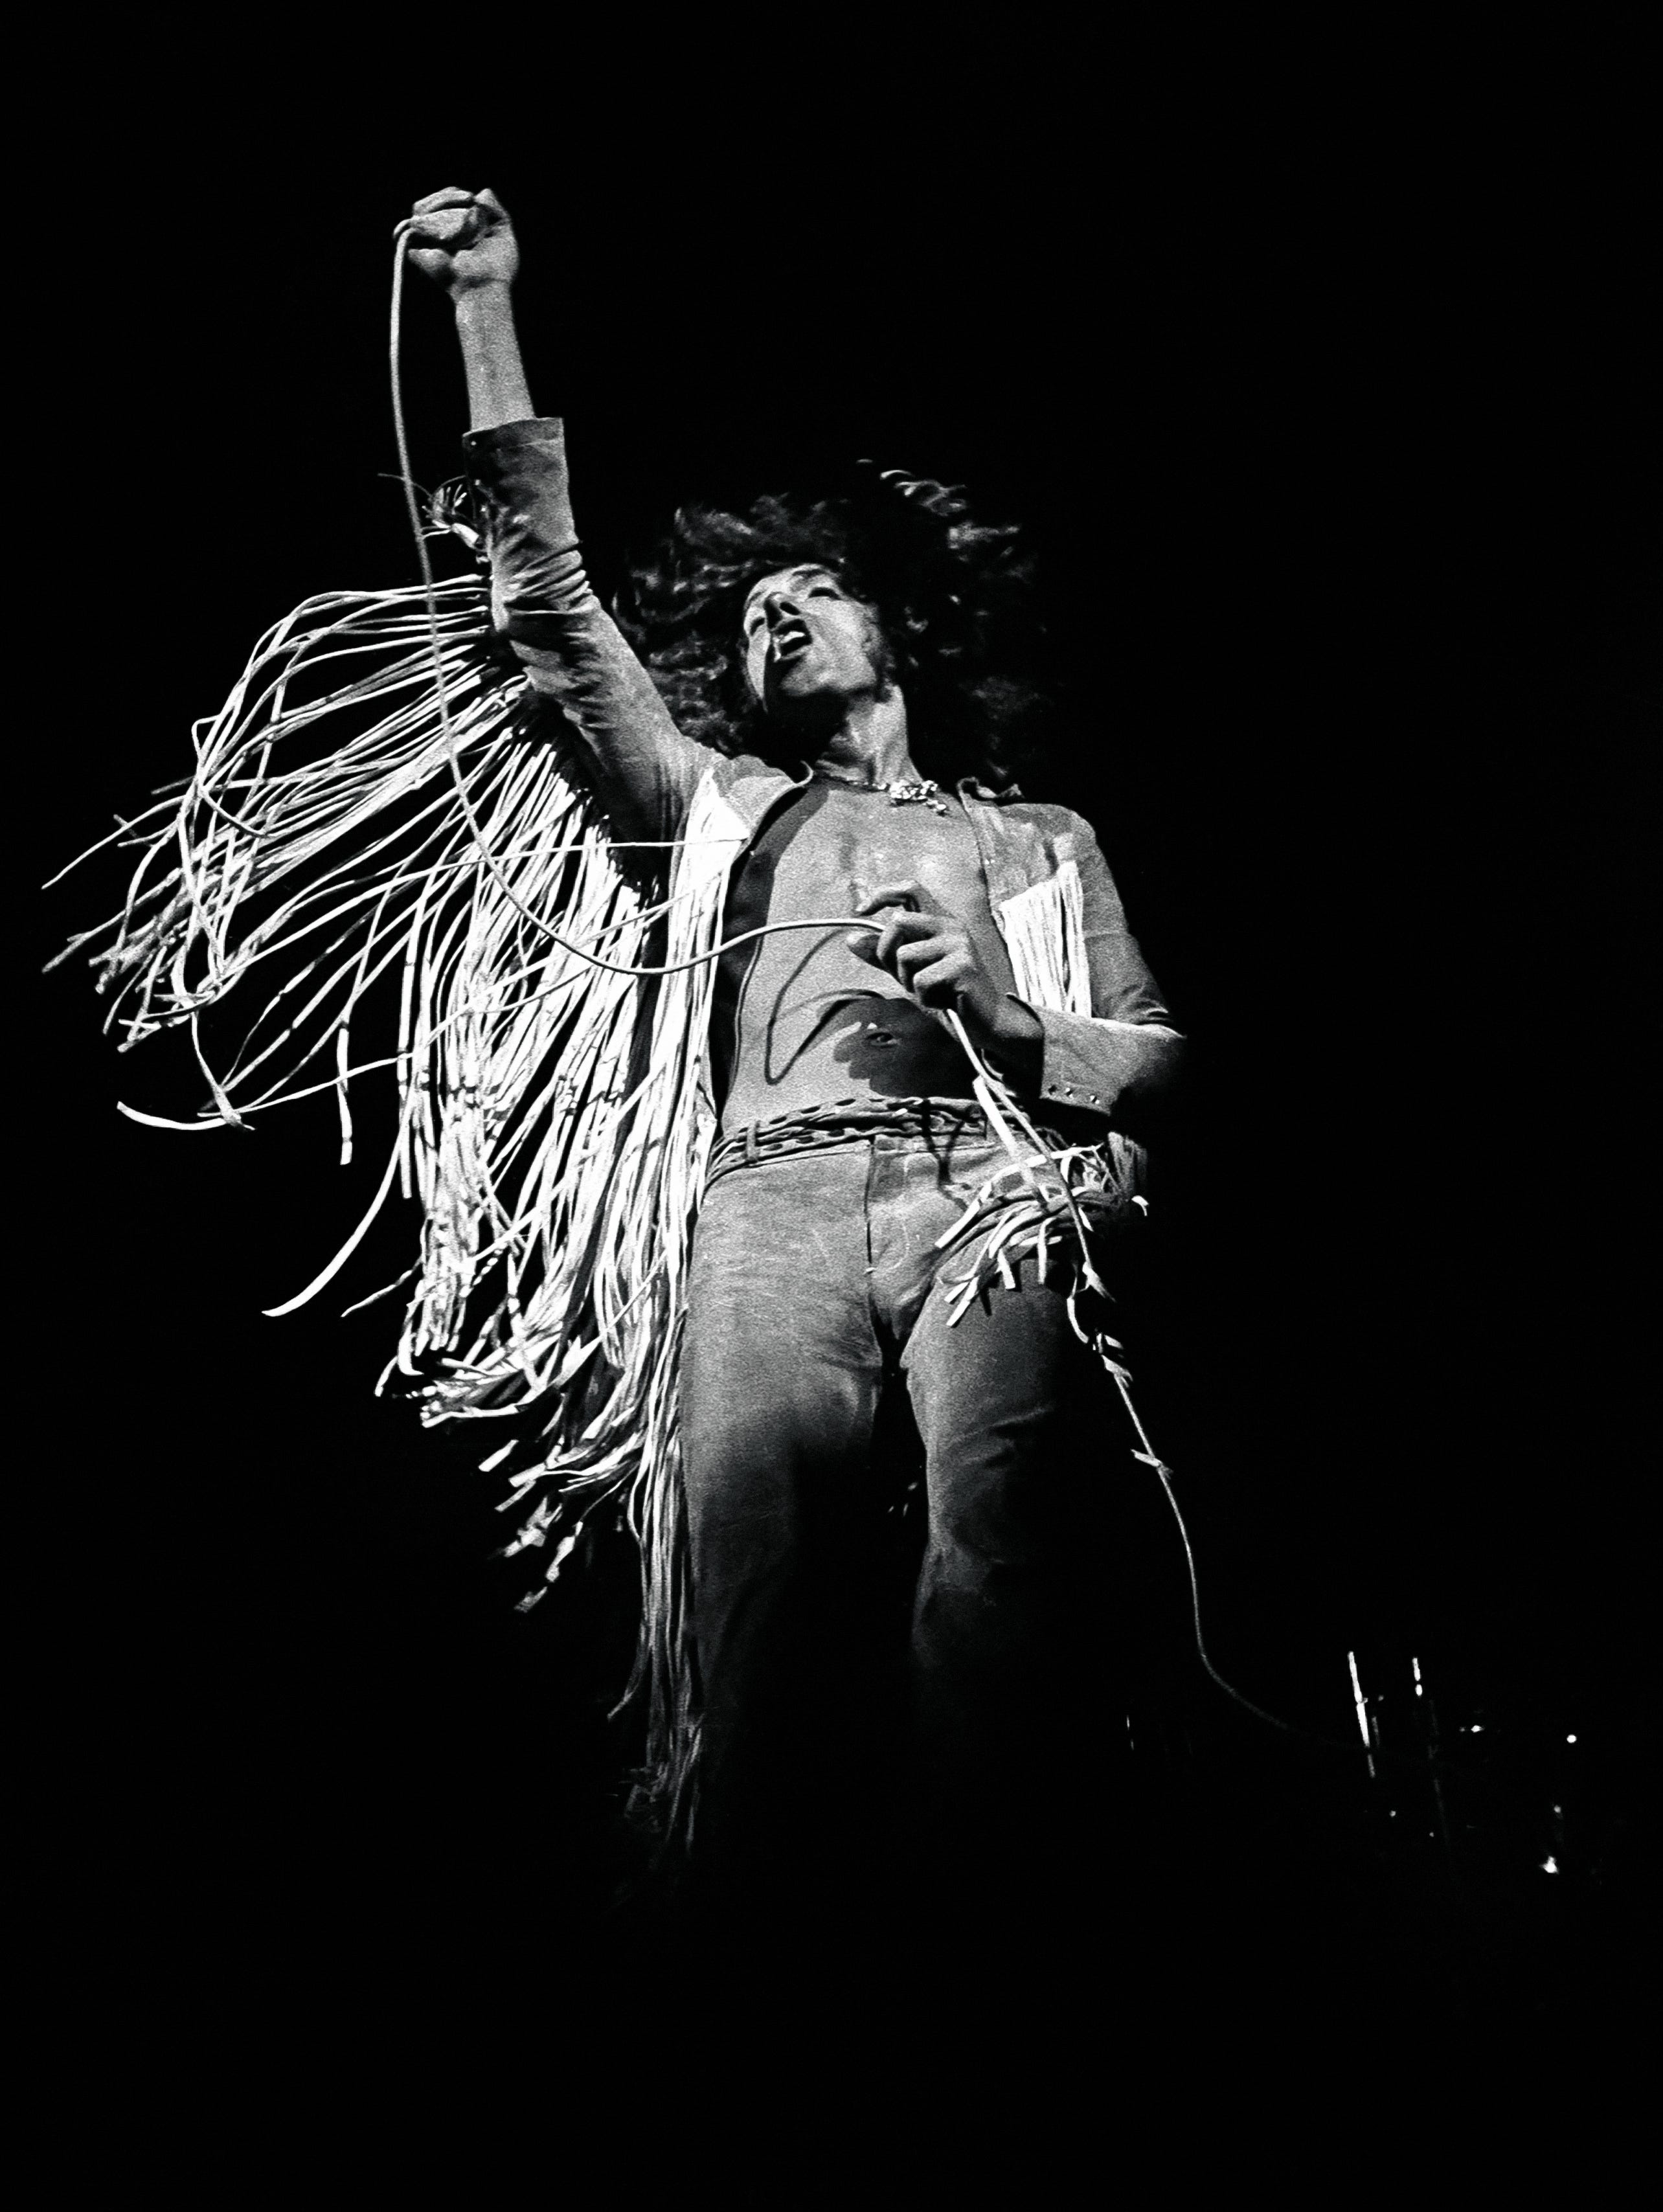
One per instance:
(1120, 1061)
(574, 652)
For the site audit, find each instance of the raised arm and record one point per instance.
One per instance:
(572, 649)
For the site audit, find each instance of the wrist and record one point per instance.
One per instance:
(1010, 1021)
(483, 299)
(1013, 1039)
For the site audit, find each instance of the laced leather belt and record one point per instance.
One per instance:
(844, 1121)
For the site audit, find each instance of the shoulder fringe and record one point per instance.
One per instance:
(1044, 933)
(552, 1119)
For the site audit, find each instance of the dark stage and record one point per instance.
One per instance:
(1348, 502)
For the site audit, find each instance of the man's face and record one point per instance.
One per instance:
(809, 646)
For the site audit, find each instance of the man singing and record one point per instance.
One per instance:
(849, 1140)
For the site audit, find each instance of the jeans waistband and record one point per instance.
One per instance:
(844, 1121)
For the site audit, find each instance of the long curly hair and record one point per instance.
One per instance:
(953, 598)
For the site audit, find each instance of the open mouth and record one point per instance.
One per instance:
(789, 642)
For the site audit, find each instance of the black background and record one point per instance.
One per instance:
(1343, 454)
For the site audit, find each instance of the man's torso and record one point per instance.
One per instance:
(799, 1020)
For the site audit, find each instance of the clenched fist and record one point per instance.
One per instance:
(463, 240)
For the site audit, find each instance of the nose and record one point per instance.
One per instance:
(777, 607)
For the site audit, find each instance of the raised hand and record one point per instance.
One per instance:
(463, 240)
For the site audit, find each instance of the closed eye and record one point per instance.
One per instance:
(755, 617)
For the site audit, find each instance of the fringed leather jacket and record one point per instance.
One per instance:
(552, 1012)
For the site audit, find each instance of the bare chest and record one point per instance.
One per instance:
(800, 1019)
(855, 843)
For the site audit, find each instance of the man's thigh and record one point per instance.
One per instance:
(1009, 1619)
(781, 1371)
(1005, 1399)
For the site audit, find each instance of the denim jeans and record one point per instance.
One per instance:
(816, 1279)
